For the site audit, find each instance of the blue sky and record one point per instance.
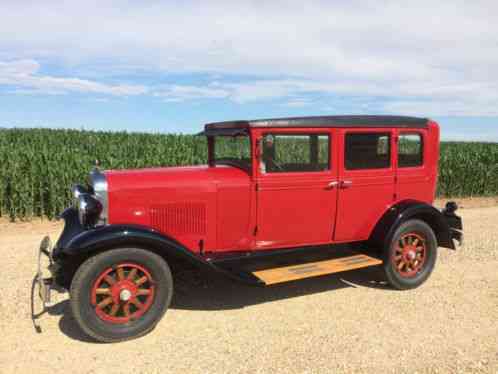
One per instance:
(171, 66)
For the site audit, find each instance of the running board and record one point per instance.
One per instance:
(314, 269)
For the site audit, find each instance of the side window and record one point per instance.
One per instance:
(367, 151)
(410, 150)
(284, 153)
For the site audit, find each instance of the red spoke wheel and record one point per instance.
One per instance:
(123, 293)
(409, 254)
(410, 257)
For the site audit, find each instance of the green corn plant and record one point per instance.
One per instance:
(38, 166)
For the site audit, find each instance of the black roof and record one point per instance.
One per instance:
(235, 127)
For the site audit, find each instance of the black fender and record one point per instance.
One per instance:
(76, 241)
(412, 209)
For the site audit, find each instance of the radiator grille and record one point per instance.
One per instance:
(179, 218)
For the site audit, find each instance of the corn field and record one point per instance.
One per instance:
(38, 166)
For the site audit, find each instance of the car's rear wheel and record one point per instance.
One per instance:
(121, 294)
(411, 255)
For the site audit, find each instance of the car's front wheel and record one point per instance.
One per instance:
(411, 255)
(121, 293)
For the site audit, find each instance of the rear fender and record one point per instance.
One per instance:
(411, 209)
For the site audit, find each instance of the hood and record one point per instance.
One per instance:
(201, 177)
(180, 202)
(157, 177)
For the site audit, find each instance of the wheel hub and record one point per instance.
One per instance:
(409, 253)
(125, 294)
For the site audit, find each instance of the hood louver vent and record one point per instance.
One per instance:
(179, 218)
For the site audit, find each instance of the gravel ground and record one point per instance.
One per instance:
(338, 323)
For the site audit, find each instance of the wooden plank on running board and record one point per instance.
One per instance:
(313, 269)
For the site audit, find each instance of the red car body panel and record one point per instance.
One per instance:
(224, 209)
(188, 198)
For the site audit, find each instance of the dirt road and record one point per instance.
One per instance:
(339, 323)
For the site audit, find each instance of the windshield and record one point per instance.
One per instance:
(233, 150)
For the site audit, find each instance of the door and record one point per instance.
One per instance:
(296, 188)
(367, 176)
(413, 173)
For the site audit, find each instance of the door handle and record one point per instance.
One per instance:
(346, 184)
(333, 184)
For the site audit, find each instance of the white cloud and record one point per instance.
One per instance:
(416, 56)
(442, 108)
(181, 93)
(415, 99)
(23, 75)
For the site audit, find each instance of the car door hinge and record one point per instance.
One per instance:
(257, 187)
(255, 232)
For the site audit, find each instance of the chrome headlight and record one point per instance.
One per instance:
(89, 209)
(76, 191)
(98, 185)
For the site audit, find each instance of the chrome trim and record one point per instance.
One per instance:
(77, 190)
(98, 181)
(82, 205)
(44, 284)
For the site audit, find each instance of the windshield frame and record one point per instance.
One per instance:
(212, 161)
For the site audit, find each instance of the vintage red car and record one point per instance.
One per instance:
(279, 200)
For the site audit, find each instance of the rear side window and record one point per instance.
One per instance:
(283, 153)
(367, 151)
(410, 150)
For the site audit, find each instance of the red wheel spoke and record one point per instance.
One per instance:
(141, 281)
(132, 274)
(126, 310)
(143, 292)
(114, 309)
(103, 291)
(137, 303)
(104, 302)
(120, 273)
(110, 280)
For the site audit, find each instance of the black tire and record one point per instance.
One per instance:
(85, 312)
(413, 272)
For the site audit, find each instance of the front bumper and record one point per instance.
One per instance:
(46, 284)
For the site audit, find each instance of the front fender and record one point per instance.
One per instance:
(442, 224)
(75, 240)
